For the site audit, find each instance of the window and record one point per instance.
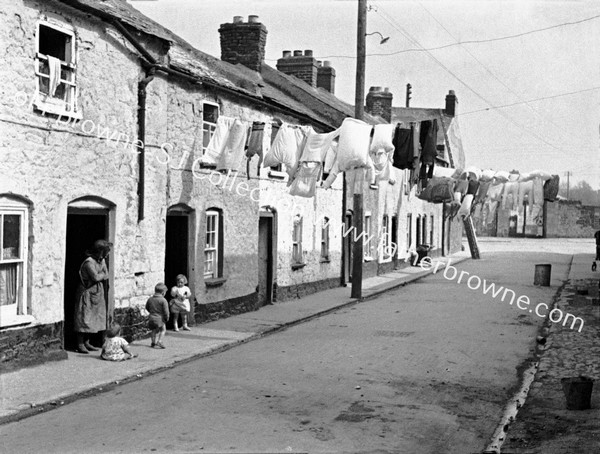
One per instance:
(297, 240)
(56, 90)
(385, 240)
(210, 115)
(13, 261)
(431, 231)
(408, 231)
(367, 234)
(419, 231)
(325, 240)
(213, 248)
(424, 227)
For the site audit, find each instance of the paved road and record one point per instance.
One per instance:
(423, 369)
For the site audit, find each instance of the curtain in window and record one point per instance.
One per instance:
(8, 284)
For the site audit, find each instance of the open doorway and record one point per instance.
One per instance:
(266, 240)
(84, 226)
(178, 250)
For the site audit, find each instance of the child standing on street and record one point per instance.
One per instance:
(180, 304)
(115, 348)
(158, 314)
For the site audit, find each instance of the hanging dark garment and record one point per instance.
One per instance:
(428, 139)
(473, 187)
(403, 148)
(551, 188)
(255, 146)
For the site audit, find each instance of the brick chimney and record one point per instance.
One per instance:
(451, 104)
(326, 76)
(301, 65)
(379, 102)
(244, 42)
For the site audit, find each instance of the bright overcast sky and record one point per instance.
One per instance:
(557, 135)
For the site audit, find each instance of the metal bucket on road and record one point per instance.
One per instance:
(542, 275)
(578, 392)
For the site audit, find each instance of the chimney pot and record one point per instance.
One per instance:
(319, 63)
(327, 64)
(308, 53)
(386, 89)
(238, 19)
(451, 103)
(287, 53)
(297, 53)
(253, 19)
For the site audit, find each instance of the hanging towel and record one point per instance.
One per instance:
(382, 138)
(306, 179)
(428, 139)
(233, 151)
(510, 189)
(495, 192)
(282, 149)
(215, 146)
(353, 145)
(317, 145)
(54, 67)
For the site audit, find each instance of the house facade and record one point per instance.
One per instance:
(107, 120)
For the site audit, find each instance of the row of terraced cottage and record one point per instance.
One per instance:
(106, 117)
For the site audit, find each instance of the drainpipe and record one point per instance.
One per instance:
(141, 147)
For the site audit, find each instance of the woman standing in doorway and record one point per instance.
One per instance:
(90, 305)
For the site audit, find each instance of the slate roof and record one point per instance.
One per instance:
(270, 85)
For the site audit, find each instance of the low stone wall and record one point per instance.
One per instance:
(301, 290)
(209, 312)
(30, 346)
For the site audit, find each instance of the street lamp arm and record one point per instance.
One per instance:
(384, 39)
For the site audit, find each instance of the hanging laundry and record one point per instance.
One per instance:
(460, 189)
(403, 148)
(501, 176)
(510, 189)
(353, 144)
(551, 188)
(382, 138)
(439, 190)
(487, 175)
(316, 145)
(286, 148)
(428, 140)
(233, 151)
(333, 173)
(330, 157)
(526, 189)
(538, 198)
(513, 176)
(255, 145)
(54, 66)
(465, 207)
(489, 211)
(306, 179)
(448, 172)
(472, 187)
(545, 176)
(215, 146)
(482, 192)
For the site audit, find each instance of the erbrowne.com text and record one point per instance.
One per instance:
(474, 282)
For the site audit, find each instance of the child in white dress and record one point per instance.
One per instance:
(180, 304)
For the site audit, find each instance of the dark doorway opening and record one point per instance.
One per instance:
(83, 228)
(177, 253)
(394, 239)
(265, 259)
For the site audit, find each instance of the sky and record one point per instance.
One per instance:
(558, 135)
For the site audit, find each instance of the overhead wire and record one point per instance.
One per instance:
(500, 81)
(385, 16)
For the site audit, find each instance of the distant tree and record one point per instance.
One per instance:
(581, 191)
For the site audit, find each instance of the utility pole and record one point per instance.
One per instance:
(359, 111)
(568, 174)
(408, 94)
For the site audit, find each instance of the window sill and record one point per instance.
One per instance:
(17, 320)
(368, 259)
(215, 281)
(325, 260)
(277, 174)
(298, 266)
(54, 109)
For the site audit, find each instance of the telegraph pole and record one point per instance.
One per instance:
(359, 111)
(568, 174)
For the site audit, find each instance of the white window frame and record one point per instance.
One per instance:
(16, 314)
(367, 248)
(214, 248)
(409, 232)
(46, 103)
(208, 126)
(386, 239)
(297, 257)
(325, 239)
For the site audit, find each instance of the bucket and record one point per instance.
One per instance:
(542, 275)
(578, 392)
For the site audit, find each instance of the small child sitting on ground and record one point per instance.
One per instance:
(158, 310)
(115, 348)
(180, 304)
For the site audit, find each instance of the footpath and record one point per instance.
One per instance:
(544, 425)
(29, 391)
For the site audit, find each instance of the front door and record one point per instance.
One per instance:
(177, 250)
(84, 227)
(265, 259)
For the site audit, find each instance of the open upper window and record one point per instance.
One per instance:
(210, 115)
(55, 68)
